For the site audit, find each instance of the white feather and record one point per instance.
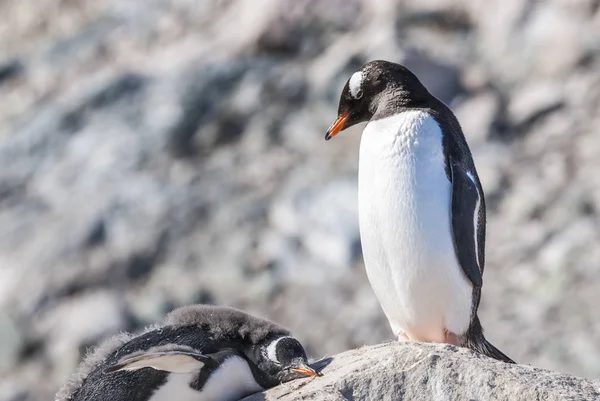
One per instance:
(272, 349)
(476, 218)
(232, 381)
(177, 387)
(404, 213)
(355, 83)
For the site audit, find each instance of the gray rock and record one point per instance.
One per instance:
(10, 70)
(12, 341)
(476, 115)
(442, 79)
(74, 325)
(533, 101)
(322, 217)
(416, 371)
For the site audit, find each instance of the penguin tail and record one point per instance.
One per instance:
(486, 348)
(475, 340)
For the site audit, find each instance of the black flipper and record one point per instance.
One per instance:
(468, 231)
(468, 223)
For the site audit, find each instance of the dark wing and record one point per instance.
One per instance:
(468, 222)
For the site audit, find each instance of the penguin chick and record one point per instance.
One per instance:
(200, 353)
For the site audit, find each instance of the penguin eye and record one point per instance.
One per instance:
(359, 94)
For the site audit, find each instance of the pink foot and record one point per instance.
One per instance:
(452, 338)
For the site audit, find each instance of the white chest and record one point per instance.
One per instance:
(404, 214)
(232, 381)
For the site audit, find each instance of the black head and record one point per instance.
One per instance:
(379, 88)
(283, 359)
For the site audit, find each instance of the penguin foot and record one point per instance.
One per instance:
(402, 337)
(452, 339)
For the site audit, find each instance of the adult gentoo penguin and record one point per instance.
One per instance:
(421, 208)
(200, 353)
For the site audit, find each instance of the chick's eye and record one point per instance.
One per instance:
(359, 94)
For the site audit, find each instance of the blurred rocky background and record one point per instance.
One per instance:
(155, 153)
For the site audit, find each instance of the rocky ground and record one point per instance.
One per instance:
(157, 153)
(428, 372)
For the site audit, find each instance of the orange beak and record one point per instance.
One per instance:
(307, 371)
(337, 126)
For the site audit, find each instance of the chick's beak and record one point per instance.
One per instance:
(337, 126)
(306, 370)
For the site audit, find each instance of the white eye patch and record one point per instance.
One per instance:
(355, 84)
(272, 349)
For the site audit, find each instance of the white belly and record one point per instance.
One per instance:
(404, 213)
(232, 381)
